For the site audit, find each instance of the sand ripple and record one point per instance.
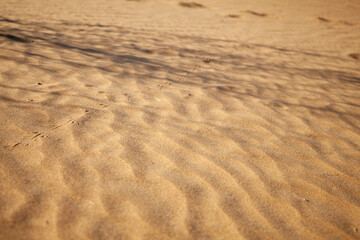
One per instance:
(116, 124)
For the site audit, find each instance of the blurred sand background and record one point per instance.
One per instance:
(156, 119)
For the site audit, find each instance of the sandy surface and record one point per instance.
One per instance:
(158, 119)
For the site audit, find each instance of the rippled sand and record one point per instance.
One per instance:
(179, 120)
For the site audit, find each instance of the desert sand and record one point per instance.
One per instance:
(156, 119)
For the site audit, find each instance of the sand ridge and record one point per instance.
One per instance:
(155, 120)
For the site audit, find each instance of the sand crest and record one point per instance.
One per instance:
(156, 119)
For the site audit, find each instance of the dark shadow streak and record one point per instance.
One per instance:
(15, 38)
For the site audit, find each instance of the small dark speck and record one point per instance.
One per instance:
(39, 83)
(356, 230)
(355, 56)
(207, 60)
(306, 200)
(233, 16)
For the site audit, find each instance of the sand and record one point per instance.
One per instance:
(156, 119)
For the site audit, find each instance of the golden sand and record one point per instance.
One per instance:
(160, 119)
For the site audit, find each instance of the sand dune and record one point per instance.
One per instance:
(179, 120)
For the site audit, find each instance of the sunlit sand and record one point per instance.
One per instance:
(160, 119)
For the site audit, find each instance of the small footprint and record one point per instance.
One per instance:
(234, 16)
(278, 104)
(191, 5)
(257, 13)
(322, 19)
(33, 137)
(103, 105)
(355, 56)
(207, 60)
